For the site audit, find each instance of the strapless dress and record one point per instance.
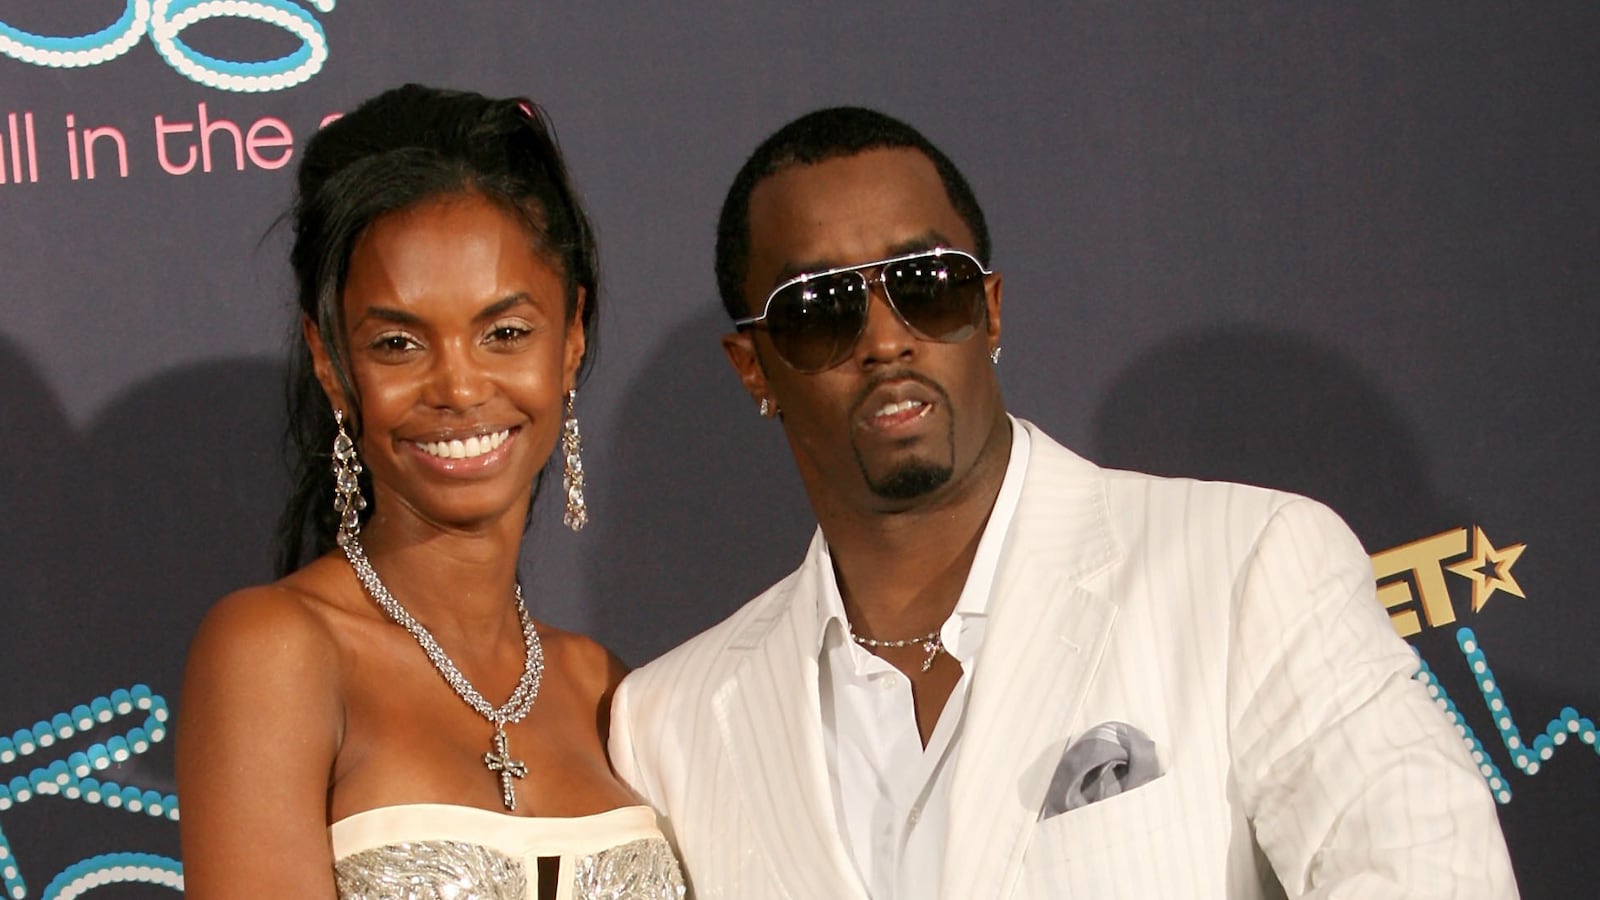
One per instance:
(430, 851)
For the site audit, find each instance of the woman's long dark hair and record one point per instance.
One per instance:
(397, 150)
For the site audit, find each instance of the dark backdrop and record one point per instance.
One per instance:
(1346, 250)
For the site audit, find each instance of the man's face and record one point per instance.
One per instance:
(903, 420)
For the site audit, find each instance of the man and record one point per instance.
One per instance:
(1001, 671)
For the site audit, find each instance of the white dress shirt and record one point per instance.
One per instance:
(891, 795)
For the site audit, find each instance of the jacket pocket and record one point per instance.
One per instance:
(1113, 848)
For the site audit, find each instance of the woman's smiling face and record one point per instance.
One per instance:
(461, 347)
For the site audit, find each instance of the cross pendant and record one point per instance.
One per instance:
(931, 648)
(499, 761)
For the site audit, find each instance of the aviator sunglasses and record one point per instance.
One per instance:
(815, 319)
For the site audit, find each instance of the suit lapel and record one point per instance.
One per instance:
(770, 718)
(1041, 648)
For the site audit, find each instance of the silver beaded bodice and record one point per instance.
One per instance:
(448, 852)
(430, 870)
(643, 869)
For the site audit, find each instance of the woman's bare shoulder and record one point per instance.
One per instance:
(272, 636)
(286, 616)
(262, 693)
(583, 660)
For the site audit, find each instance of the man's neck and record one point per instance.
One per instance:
(901, 573)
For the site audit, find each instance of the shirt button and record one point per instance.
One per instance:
(915, 815)
(885, 683)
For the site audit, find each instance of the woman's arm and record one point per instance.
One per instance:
(259, 725)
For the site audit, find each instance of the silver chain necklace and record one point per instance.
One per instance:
(498, 760)
(931, 644)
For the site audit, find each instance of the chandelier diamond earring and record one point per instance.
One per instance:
(347, 499)
(994, 356)
(577, 512)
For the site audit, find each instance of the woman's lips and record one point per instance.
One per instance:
(473, 454)
(469, 448)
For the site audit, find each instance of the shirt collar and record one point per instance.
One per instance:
(974, 599)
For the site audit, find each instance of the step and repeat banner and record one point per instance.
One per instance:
(1350, 251)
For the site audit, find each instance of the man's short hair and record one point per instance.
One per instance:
(816, 137)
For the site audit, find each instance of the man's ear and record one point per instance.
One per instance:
(575, 344)
(321, 364)
(991, 299)
(741, 349)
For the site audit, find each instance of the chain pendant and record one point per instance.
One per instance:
(931, 644)
(498, 760)
(500, 763)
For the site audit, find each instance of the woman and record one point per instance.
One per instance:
(385, 720)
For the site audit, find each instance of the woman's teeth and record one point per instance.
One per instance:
(467, 449)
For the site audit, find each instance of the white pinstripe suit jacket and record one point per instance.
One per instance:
(1235, 626)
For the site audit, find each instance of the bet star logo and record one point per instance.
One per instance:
(1412, 575)
(1489, 569)
(1412, 584)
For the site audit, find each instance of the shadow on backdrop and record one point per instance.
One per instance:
(116, 541)
(42, 455)
(1278, 409)
(1275, 409)
(707, 510)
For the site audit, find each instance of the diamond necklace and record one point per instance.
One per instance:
(931, 644)
(498, 760)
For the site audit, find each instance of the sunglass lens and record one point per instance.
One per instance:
(814, 324)
(941, 296)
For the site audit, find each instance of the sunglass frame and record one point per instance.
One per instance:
(881, 265)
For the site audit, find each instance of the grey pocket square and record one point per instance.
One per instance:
(1104, 761)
